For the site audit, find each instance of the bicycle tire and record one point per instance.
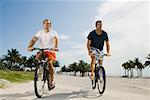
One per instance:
(48, 79)
(104, 80)
(35, 83)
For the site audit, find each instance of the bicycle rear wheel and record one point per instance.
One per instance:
(39, 81)
(101, 79)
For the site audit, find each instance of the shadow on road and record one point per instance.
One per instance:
(16, 95)
(83, 93)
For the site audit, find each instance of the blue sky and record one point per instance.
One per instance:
(73, 20)
(21, 20)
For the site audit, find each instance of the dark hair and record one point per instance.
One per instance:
(99, 21)
(46, 20)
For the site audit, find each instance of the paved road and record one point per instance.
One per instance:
(78, 88)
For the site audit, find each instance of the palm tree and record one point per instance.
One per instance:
(132, 66)
(12, 57)
(84, 67)
(147, 63)
(23, 60)
(2, 64)
(6, 61)
(73, 68)
(31, 62)
(56, 64)
(141, 67)
(137, 65)
(126, 67)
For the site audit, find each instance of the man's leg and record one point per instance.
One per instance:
(51, 68)
(92, 67)
(38, 55)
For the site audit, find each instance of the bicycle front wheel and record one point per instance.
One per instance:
(101, 80)
(39, 81)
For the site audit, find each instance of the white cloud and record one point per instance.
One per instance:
(85, 33)
(69, 42)
(73, 55)
(75, 50)
(128, 28)
(63, 37)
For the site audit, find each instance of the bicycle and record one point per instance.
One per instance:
(99, 72)
(41, 75)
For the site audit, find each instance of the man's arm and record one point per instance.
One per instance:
(88, 46)
(56, 42)
(32, 42)
(108, 48)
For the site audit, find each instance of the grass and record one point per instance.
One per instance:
(16, 76)
(1, 86)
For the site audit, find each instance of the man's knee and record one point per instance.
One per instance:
(38, 55)
(101, 62)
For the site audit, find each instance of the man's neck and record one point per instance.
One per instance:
(99, 31)
(46, 30)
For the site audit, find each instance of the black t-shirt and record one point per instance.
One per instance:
(97, 41)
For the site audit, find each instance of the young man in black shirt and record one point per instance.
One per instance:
(96, 39)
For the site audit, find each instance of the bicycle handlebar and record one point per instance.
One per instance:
(101, 54)
(43, 49)
(105, 54)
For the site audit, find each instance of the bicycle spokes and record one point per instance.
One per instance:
(39, 81)
(101, 80)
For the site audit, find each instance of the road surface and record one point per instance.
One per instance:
(78, 88)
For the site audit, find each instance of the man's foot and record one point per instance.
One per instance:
(52, 85)
(92, 77)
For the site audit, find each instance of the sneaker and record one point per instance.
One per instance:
(52, 85)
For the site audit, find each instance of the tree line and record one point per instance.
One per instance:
(82, 67)
(13, 60)
(135, 64)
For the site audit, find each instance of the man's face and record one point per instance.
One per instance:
(99, 25)
(47, 24)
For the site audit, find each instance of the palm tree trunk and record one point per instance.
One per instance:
(83, 74)
(132, 73)
(11, 67)
(75, 73)
(140, 72)
(137, 73)
(128, 72)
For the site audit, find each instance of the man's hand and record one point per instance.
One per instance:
(30, 48)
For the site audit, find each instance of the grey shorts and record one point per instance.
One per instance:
(98, 53)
